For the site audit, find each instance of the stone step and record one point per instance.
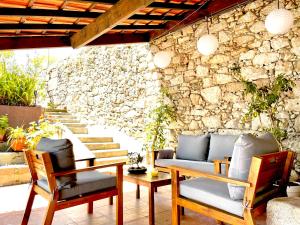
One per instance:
(104, 161)
(14, 174)
(79, 130)
(68, 121)
(102, 146)
(47, 110)
(109, 153)
(95, 139)
(59, 113)
(57, 117)
(75, 124)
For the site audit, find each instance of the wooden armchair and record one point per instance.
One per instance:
(209, 195)
(91, 185)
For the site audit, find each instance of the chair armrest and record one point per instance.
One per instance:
(68, 172)
(212, 176)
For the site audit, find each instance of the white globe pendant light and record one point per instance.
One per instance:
(162, 59)
(279, 21)
(208, 43)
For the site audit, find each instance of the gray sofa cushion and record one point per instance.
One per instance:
(210, 192)
(62, 158)
(165, 154)
(245, 148)
(196, 165)
(221, 146)
(87, 182)
(192, 147)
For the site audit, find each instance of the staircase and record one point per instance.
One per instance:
(104, 148)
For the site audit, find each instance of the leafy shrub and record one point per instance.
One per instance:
(17, 89)
(19, 86)
(3, 124)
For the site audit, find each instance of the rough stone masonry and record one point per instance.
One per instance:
(116, 86)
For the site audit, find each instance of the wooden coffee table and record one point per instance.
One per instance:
(152, 183)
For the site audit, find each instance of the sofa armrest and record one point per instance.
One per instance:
(218, 165)
(212, 176)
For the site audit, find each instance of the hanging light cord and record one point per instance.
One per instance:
(180, 22)
(207, 27)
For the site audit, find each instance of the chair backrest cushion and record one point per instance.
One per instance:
(62, 157)
(221, 146)
(245, 148)
(192, 147)
(165, 154)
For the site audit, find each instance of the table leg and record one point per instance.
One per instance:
(151, 206)
(137, 191)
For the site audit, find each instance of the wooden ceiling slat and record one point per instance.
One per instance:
(74, 14)
(48, 42)
(27, 26)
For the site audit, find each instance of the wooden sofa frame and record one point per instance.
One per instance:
(40, 165)
(265, 169)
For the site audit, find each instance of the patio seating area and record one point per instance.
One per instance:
(140, 112)
(135, 211)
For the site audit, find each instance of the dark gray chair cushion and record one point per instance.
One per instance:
(165, 154)
(87, 182)
(221, 146)
(195, 165)
(245, 148)
(62, 157)
(192, 147)
(210, 192)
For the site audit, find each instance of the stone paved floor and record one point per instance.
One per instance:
(13, 200)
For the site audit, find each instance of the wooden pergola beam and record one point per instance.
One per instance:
(9, 43)
(74, 27)
(119, 12)
(75, 14)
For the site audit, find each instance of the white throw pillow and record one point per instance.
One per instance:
(245, 148)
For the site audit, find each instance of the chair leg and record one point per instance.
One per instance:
(51, 209)
(28, 207)
(249, 218)
(90, 208)
(111, 200)
(176, 214)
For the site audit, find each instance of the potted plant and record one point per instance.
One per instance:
(135, 159)
(17, 138)
(159, 120)
(19, 89)
(3, 126)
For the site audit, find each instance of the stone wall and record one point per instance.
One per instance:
(116, 85)
(108, 86)
(207, 96)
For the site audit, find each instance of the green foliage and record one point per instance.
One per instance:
(16, 133)
(3, 124)
(160, 118)
(135, 158)
(265, 99)
(19, 87)
(38, 130)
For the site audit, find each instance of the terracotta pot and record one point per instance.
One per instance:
(2, 137)
(18, 144)
(21, 115)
